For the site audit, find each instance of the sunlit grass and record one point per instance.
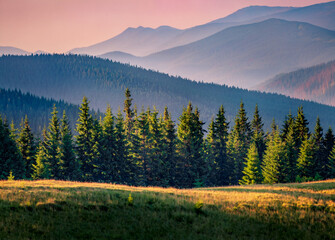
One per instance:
(48, 209)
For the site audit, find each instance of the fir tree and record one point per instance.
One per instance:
(301, 127)
(53, 142)
(319, 158)
(258, 133)
(252, 169)
(69, 168)
(169, 157)
(272, 161)
(328, 144)
(84, 141)
(124, 164)
(10, 156)
(191, 166)
(40, 169)
(306, 161)
(27, 146)
(238, 144)
(331, 164)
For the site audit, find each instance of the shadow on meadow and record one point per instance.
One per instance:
(93, 213)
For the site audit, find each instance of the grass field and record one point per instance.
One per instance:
(71, 210)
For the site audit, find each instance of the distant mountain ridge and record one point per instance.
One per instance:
(245, 55)
(314, 83)
(70, 77)
(6, 50)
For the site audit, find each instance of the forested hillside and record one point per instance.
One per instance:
(15, 105)
(148, 149)
(70, 77)
(315, 83)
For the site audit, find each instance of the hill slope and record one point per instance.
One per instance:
(70, 77)
(37, 209)
(15, 105)
(315, 83)
(12, 51)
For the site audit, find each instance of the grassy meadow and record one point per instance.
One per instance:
(49, 209)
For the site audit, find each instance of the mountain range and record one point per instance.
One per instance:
(315, 83)
(70, 77)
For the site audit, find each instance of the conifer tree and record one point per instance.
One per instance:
(169, 157)
(124, 164)
(301, 127)
(191, 167)
(328, 145)
(10, 156)
(69, 168)
(258, 133)
(84, 141)
(272, 166)
(291, 154)
(129, 120)
(40, 169)
(319, 158)
(252, 170)
(306, 161)
(108, 161)
(53, 142)
(156, 149)
(238, 144)
(331, 164)
(288, 123)
(216, 145)
(27, 146)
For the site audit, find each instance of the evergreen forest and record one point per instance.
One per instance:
(147, 148)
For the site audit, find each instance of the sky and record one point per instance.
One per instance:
(57, 26)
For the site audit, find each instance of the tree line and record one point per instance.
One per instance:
(148, 149)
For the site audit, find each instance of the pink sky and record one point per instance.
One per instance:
(59, 25)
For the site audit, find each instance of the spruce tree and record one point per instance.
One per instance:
(306, 161)
(238, 144)
(331, 164)
(40, 169)
(69, 168)
(169, 157)
(27, 147)
(301, 127)
(124, 164)
(252, 170)
(84, 141)
(10, 157)
(319, 158)
(272, 166)
(192, 168)
(258, 133)
(328, 144)
(53, 143)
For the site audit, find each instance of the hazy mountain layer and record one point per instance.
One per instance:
(314, 83)
(69, 78)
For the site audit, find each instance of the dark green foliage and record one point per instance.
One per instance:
(53, 145)
(306, 162)
(16, 105)
(69, 168)
(84, 141)
(191, 168)
(252, 170)
(216, 150)
(238, 144)
(148, 152)
(10, 156)
(26, 143)
(273, 157)
(258, 135)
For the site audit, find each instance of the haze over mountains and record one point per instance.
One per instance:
(315, 83)
(69, 78)
(244, 49)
